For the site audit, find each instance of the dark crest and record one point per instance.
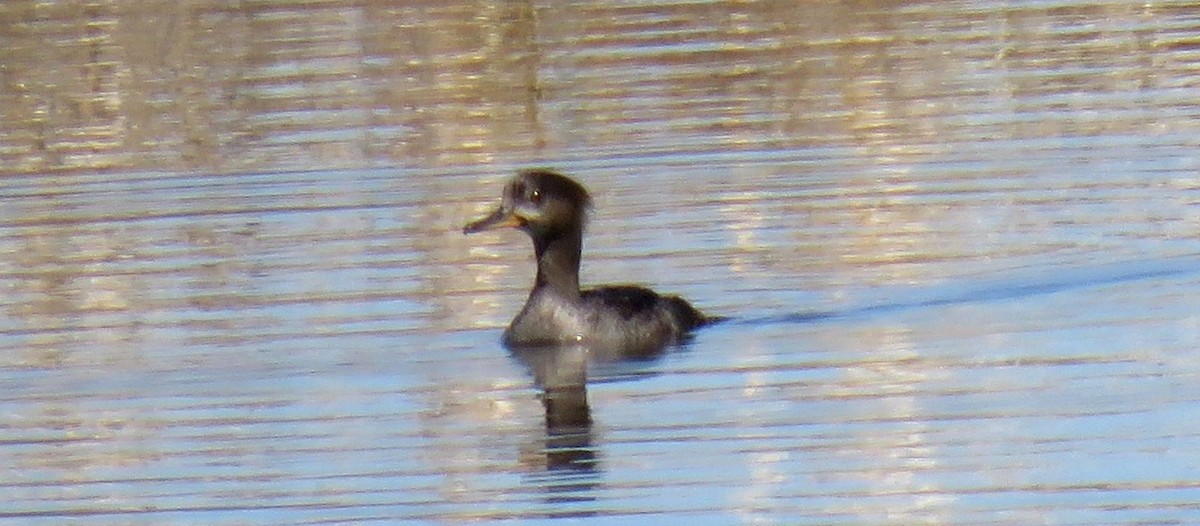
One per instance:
(556, 184)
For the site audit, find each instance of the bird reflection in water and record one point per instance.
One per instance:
(569, 463)
(560, 373)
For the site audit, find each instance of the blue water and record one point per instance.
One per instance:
(956, 243)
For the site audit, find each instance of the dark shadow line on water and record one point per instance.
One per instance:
(1078, 278)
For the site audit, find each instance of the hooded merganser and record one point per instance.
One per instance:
(552, 209)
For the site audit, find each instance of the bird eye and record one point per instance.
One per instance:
(535, 197)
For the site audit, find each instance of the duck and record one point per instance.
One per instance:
(552, 209)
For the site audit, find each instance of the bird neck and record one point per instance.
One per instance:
(558, 262)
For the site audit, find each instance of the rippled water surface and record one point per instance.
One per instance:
(957, 242)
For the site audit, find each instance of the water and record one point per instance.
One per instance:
(957, 242)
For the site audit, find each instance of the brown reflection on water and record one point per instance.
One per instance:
(163, 85)
(57, 277)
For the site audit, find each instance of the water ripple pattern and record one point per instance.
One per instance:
(957, 242)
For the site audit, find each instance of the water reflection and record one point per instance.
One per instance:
(561, 374)
(568, 460)
(217, 87)
(940, 184)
